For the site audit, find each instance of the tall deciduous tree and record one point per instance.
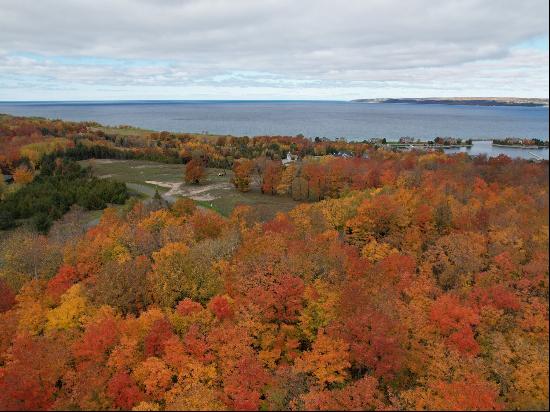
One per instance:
(194, 171)
(242, 170)
(271, 177)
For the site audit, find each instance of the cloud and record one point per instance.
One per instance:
(313, 48)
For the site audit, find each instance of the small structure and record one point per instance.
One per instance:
(514, 140)
(447, 141)
(345, 155)
(406, 140)
(289, 159)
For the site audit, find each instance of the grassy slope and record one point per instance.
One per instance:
(135, 131)
(214, 192)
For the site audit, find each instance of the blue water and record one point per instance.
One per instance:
(485, 147)
(332, 119)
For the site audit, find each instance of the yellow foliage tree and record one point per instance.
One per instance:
(155, 377)
(320, 309)
(375, 251)
(287, 176)
(70, 313)
(328, 360)
(35, 151)
(31, 311)
(147, 406)
(168, 280)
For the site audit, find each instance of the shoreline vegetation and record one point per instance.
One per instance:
(521, 143)
(38, 153)
(464, 101)
(520, 146)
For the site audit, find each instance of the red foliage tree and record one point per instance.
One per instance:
(161, 331)
(455, 321)
(243, 385)
(66, 276)
(7, 297)
(271, 177)
(194, 171)
(100, 336)
(220, 306)
(124, 391)
(187, 307)
(29, 380)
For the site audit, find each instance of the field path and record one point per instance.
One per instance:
(206, 193)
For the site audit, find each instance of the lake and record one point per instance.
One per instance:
(332, 119)
(485, 147)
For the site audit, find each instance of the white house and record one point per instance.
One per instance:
(289, 159)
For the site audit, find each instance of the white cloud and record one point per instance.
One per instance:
(308, 49)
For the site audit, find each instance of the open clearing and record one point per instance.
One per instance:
(215, 192)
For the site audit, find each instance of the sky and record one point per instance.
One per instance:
(272, 49)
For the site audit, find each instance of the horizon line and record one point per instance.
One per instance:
(257, 100)
(176, 100)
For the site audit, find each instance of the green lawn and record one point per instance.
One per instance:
(135, 131)
(215, 192)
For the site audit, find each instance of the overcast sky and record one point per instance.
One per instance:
(272, 49)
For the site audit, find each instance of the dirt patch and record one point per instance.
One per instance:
(167, 185)
(205, 193)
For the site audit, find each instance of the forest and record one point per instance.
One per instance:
(401, 281)
(60, 185)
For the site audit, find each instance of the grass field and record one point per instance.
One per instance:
(135, 131)
(215, 192)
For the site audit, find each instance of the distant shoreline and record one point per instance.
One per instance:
(465, 101)
(520, 146)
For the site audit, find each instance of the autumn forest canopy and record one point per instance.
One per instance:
(401, 280)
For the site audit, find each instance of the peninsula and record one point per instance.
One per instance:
(468, 101)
